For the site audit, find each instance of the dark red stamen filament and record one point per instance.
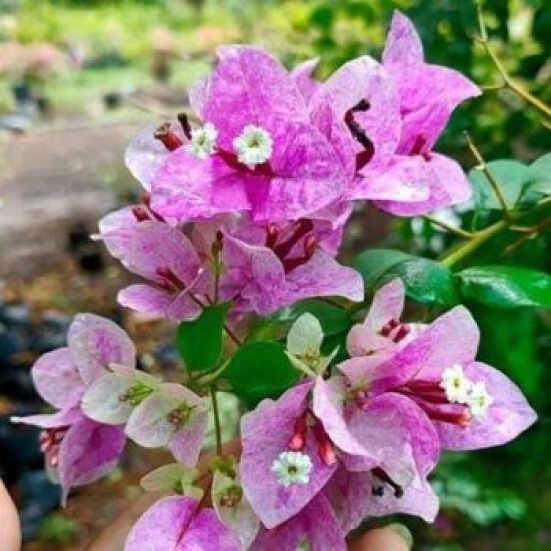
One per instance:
(146, 201)
(395, 330)
(359, 134)
(50, 441)
(419, 147)
(385, 478)
(232, 161)
(461, 418)
(364, 157)
(140, 214)
(386, 330)
(402, 333)
(184, 123)
(326, 448)
(170, 282)
(272, 233)
(283, 249)
(168, 137)
(428, 395)
(298, 440)
(310, 245)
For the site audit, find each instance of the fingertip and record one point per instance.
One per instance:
(10, 536)
(382, 539)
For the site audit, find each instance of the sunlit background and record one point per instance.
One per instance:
(79, 77)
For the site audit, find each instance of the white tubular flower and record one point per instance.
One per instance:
(253, 146)
(305, 337)
(203, 141)
(304, 342)
(112, 398)
(479, 400)
(292, 468)
(456, 384)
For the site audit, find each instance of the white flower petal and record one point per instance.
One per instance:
(103, 401)
(305, 336)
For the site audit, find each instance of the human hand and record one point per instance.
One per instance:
(10, 533)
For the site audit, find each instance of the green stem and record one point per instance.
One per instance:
(236, 340)
(217, 426)
(332, 302)
(529, 234)
(457, 231)
(484, 235)
(515, 86)
(470, 246)
(489, 176)
(358, 307)
(208, 377)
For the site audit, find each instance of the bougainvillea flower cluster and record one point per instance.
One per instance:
(245, 202)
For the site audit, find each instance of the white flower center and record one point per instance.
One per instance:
(456, 384)
(461, 390)
(479, 400)
(203, 141)
(253, 146)
(292, 468)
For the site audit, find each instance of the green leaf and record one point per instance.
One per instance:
(520, 185)
(539, 184)
(512, 177)
(199, 342)
(260, 370)
(506, 286)
(426, 281)
(333, 319)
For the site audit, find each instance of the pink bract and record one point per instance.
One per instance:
(79, 450)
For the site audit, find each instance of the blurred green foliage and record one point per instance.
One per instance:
(519, 29)
(58, 530)
(336, 30)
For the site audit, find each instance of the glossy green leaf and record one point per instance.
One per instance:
(199, 342)
(333, 319)
(511, 176)
(521, 185)
(539, 184)
(260, 370)
(426, 281)
(506, 286)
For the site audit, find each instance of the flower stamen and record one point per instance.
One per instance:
(203, 141)
(455, 384)
(292, 467)
(254, 146)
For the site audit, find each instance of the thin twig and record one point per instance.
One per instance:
(482, 166)
(508, 81)
(331, 301)
(229, 332)
(528, 234)
(237, 341)
(148, 108)
(484, 235)
(216, 415)
(464, 234)
(470, 246)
